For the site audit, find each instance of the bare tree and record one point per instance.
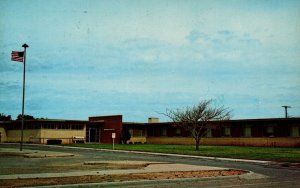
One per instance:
(197, 118)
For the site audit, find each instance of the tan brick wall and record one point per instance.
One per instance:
(42, 135)
(277, 142)
(65, 135)
(15, 135)
(3, 135)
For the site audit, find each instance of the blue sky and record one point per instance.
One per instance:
(139, 58)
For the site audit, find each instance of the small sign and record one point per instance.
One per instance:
(113, 135)
(109, 129)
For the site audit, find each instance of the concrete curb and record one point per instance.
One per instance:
(33, 153)
(152, 168)
(249, 175)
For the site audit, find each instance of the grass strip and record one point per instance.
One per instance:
(239, 152)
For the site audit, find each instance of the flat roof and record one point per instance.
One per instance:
(230, 120)
(54, 120)
(106, 116)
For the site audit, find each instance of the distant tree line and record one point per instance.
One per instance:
(27, 117)
(4, 117)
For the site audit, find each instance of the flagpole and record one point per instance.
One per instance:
(23, 97)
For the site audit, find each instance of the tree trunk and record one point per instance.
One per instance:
(197, 143)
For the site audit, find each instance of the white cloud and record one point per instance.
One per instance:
(152, 55)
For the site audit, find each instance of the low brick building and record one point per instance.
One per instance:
(276, 132)
(43, 131)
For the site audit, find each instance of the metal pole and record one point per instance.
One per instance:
(22, 128)
(285, 108)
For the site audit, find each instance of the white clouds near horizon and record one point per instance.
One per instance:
(139, 57)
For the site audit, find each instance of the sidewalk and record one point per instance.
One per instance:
(33, 153)
(148, 166)
(163, 167)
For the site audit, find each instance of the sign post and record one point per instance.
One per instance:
(113, 136)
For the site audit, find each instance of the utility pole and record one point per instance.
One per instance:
(285, 108)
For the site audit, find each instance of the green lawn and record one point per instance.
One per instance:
(241, 152)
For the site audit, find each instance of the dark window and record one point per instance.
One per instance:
(247, 132)
(294, 131)
(226, 131)
(269, 131)
(164, 131)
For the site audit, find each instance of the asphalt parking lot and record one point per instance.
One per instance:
(262, 175)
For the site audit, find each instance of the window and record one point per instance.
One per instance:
(178, 132)
(269, 131)
(76, 126)
(164, 132)
(227, 131)
(60, 126)
(131, 132)
(44, 126)
(32, 126)
(294, 131)
(66, 126)
(49, 126)
(247, 132)
(141, 132)
(208, 132)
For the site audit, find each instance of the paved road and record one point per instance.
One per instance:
(268, 176)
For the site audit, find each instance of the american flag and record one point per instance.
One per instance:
(17, 56)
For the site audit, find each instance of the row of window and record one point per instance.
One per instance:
(177, 132)
(48, 126)
(248, 131)
(137, 132)
(294, 131)
(63, 126)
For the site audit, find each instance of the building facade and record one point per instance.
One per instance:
(45, 131)
(276, 132)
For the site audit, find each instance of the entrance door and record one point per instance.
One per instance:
(93, 135)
